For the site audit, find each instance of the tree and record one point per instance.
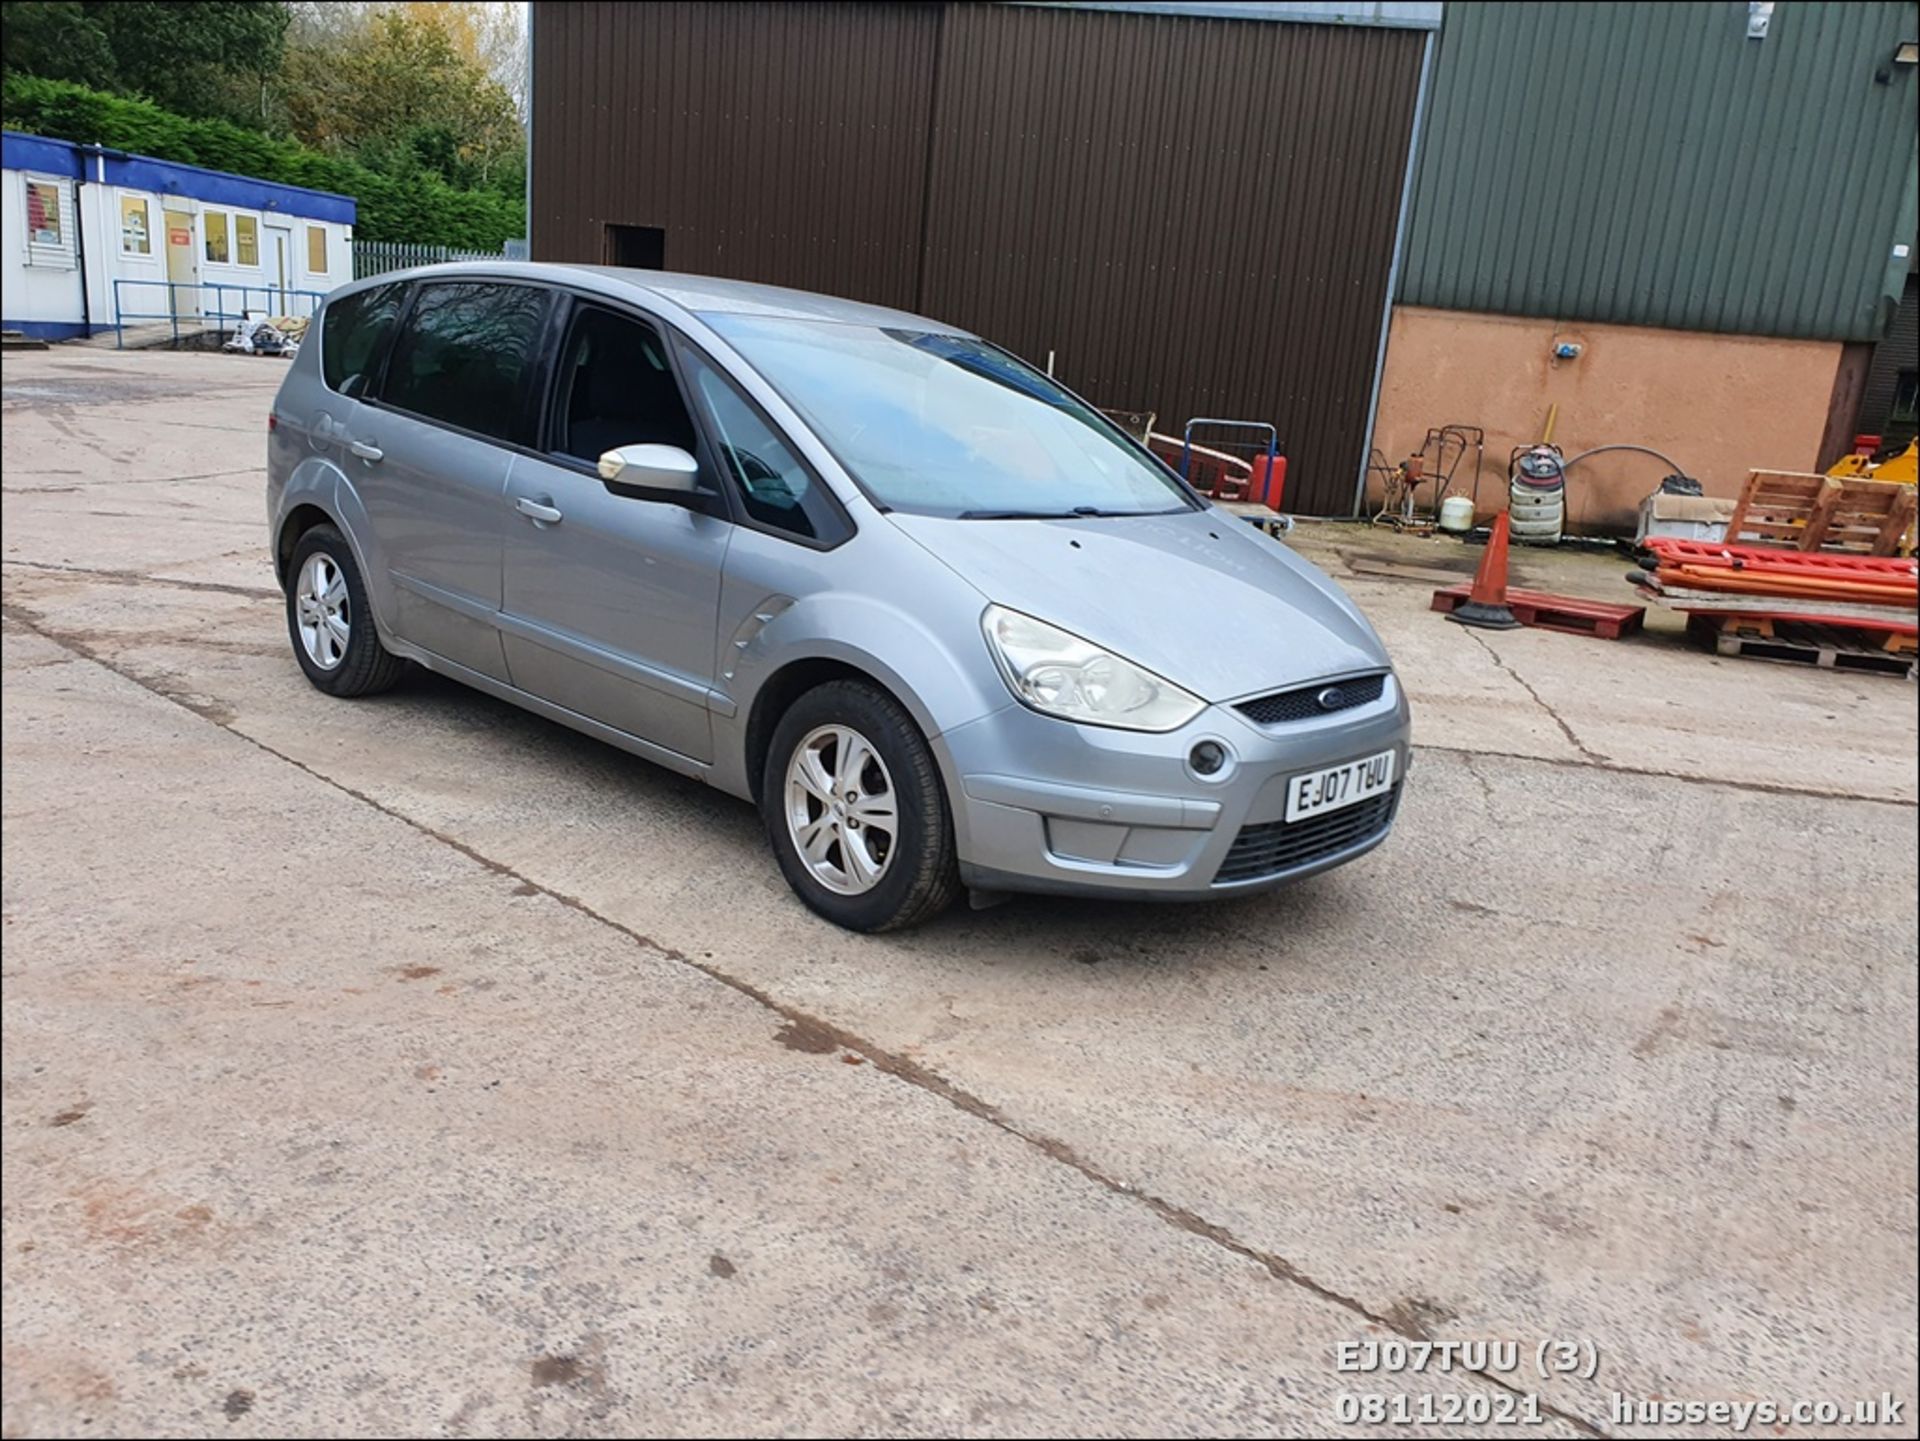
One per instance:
(420, 95)
(405, 88)
(421, 209)
(491, 35)
(57, 39)
(214, 58)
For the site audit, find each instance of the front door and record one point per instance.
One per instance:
(610, 602)
(428, 458)
(183, 265)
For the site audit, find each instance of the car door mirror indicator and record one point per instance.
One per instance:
(651, 467)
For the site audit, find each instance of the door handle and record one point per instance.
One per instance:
(534, 510)
(366, 450)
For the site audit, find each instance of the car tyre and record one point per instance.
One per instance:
(846, 762)
(330, 621)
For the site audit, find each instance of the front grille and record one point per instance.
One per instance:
(1303, 703)
(1271, 847)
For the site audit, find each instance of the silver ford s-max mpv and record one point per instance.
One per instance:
(936, 616)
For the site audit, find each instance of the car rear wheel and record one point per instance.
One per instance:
(330, 622)
(855, 810)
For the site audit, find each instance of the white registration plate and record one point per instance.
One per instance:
(1338, 787)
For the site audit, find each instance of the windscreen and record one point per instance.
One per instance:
(945, 425)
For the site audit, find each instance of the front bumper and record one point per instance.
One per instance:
(1047, 805)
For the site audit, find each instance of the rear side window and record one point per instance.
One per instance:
(778, 489)
(353, 333)
(464, 356)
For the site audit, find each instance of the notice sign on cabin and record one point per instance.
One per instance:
(48, 214)
(179, 237)
(43, 213)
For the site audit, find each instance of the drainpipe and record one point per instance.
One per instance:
(80, 253)
(529, 127)
(1393, 270)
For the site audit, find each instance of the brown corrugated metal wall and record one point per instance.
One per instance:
(1195, 215)
(775, 142)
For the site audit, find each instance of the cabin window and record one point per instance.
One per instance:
(136, 234)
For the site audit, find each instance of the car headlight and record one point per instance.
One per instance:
(1059, 674)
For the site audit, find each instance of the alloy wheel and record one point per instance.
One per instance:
(324, 615)
(842, 812)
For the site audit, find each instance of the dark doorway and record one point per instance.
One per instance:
(1890, 397)
(644, 247)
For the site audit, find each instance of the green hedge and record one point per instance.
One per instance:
(419, 210)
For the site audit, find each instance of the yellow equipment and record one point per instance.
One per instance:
(1902, 469)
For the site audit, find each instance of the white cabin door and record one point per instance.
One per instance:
(280, 266)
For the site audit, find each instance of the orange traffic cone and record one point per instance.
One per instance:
(1486, 603)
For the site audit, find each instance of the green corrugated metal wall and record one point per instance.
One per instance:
(1648, 164)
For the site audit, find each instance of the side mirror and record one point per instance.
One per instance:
(651, 472)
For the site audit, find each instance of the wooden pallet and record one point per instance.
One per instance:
(1867, 617)
(1804, 643)
(1823, 512)
(1575, 615)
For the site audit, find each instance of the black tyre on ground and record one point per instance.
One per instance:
(330, 621)
(855, 810)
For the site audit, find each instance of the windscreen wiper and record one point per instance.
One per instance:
(1076, 513)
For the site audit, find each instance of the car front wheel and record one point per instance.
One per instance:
(855, 810)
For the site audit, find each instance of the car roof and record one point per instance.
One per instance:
(699, 294)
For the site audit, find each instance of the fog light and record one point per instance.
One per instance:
(1207, 757)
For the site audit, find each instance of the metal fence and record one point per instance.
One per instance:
(377, 257)
(195, 308)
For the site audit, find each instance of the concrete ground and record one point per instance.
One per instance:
(417, 1066)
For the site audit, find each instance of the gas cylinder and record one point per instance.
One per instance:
(1537, 496)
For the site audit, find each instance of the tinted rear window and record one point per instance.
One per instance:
(353, 333)
(465, 353)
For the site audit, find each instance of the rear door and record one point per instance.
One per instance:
(427, 452)
(610, 601)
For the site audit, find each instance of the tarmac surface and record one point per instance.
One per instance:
(416, 1065)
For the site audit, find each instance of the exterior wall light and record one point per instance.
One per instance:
(1907, 52)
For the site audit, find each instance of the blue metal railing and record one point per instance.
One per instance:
(274, 300)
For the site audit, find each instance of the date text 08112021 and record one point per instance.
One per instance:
(1426, 1408)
